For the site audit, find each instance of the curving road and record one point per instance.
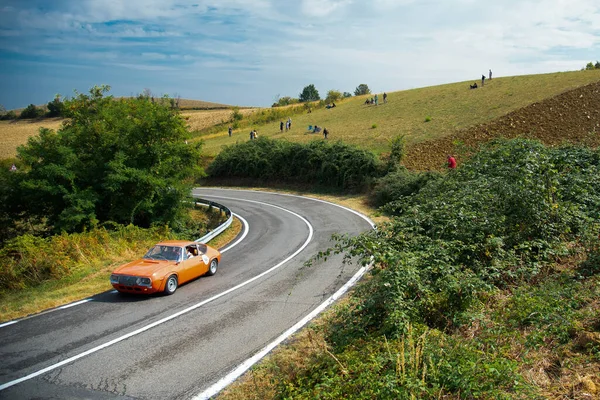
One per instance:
(178, 347)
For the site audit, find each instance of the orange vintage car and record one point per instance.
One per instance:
(166, 266)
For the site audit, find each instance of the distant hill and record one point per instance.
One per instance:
(429, 114)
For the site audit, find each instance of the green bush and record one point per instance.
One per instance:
(31, 111)
(499, 221)
(122, 160)
(323, 163)
(10, 115)
(398, 184)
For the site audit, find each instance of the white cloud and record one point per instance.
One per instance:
(282, 45)
(320, 8)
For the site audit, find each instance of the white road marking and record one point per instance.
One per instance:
(9, 323)
(74, 304)
(246, 230)
(245, 366)
(177, 314)
(292, 195)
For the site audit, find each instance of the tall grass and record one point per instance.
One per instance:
(27, 261)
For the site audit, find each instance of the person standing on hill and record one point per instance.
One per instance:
(482, 80)
(490, 74)
(451, 162)
(376, 99)
(230, 130)
(384, 97)
(325, 133)
(281, 126)
(290, 122)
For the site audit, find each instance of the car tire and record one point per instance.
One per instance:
(212, 267)
(171, 285)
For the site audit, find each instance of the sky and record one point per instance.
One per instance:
(250, 52)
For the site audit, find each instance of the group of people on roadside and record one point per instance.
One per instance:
(288, 125)
(474, 85)
(375, 99)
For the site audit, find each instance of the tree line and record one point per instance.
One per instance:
(310, 93)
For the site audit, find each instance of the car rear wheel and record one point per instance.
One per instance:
(212, 268)
(171, 285)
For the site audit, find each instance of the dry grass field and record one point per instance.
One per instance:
(16, 133)
(201, 119)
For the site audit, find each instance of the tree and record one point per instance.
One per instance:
(56, 108)
(347, 94)
(31, 111)
(362, 89)
(309, 93)
(122, 160)
(333, 95)
(10, 115)
(590, 66)
(597, 65)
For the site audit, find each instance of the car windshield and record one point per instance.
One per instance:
(170, 253)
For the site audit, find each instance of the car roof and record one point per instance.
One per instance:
(179, 243)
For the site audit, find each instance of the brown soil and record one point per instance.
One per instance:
(570, 117)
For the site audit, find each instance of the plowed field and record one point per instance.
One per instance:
(570, 117)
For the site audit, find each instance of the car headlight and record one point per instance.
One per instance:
(143, 282)
(114, 278)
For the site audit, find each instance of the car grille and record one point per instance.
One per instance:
(127, 280)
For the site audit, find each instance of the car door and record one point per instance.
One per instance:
(193, 263)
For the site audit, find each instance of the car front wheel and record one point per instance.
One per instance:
(171, 285)
(212, 268)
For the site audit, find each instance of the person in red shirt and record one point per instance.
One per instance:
(451, 162)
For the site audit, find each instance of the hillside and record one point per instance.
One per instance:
(573, 116)
(450, 109)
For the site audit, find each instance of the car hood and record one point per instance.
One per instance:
(143, 267)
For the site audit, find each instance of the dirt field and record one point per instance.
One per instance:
(203, 119)
(570, 117)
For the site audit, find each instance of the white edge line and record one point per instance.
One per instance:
(74, 304)
(246, 365)
(9, 323)
(246, 230)
(177, 314)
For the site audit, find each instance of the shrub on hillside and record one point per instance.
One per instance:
(333, 96)
(31, 111)
(56, 108)
(398, 184)
(10, 115)
(335, 164)
(498, 221)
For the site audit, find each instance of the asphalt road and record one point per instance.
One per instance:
(175, 347)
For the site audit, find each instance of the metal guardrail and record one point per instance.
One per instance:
(215, 232)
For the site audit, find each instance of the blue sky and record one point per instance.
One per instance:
(249, 52)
